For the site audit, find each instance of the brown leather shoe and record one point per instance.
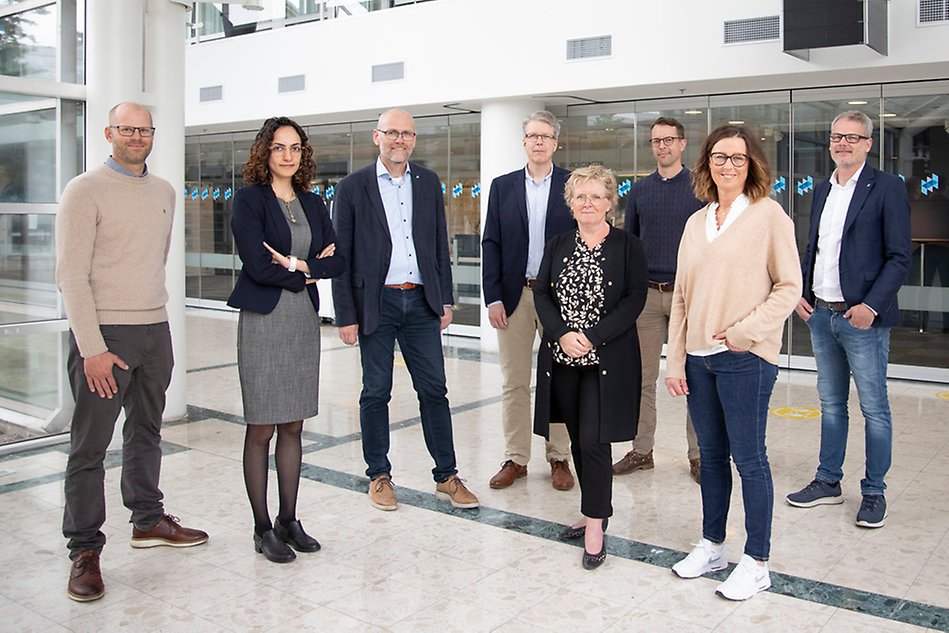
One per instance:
(560, 475)
(634, 461)
(695, 466)
(85, 579)
(508, 473)
(168, 532)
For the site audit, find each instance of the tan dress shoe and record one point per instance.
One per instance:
(454, 490)
(382, 494)
(85, 579)
(560, 476)
(170, 532)
(634, 461)
(508, 473)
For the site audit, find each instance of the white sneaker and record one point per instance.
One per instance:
(706, 556)
(747, 579)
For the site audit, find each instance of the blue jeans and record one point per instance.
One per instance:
(728, 401)
(839, 350)
(404, 316)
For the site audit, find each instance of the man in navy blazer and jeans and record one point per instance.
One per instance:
(858, 253)
(526, 208)
(390, 231)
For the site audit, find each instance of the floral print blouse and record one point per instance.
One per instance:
(579, 291)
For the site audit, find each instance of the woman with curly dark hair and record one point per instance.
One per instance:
(286, 242)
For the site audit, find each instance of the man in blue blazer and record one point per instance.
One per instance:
(390, 231)
(526, 208)
(858, 254)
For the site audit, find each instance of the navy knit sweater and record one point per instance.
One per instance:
(656, 211)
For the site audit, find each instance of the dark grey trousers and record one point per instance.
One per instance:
(146, 349)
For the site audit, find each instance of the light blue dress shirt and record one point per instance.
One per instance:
(114, 164)
(537, 197)
(397, 200)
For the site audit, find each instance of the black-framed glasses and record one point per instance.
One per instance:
(853, 139)
(665, 140)
(129, 130)
(546, 138)
(393, 135)
(277, 148)
(719, 159)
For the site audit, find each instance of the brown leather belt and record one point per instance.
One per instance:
(664, 286)
(836, 306)
(530, 283)
(408, 285)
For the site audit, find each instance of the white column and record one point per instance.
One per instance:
(164, 81)
(502, 151)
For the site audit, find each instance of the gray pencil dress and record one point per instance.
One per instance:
(278, 354)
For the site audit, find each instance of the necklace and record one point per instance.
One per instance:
(290, 215)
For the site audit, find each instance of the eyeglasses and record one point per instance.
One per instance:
(665, 140)
(129, 130)
(545, 138)
(277, 148)
(718, 159)
(582, 199)
(850, 138)
(394, 135)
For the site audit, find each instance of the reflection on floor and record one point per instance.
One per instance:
(428, 567)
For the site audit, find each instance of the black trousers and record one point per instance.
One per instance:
(577, 390)
(146, 349)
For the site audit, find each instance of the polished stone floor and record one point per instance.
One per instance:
(428, 567)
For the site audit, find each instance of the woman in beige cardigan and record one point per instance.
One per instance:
(738, 279)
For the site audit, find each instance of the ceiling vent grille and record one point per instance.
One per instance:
(388, 72)
(753, 29)
(588, 47)
(292, 83)
(212, 93)
(933, 11)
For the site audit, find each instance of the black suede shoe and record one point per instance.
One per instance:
(592, 561)
(571, 533)
(273, 549)
(293, 535)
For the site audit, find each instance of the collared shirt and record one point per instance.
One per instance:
(397, 199)
(114, 164)
(712, 232)
(826, 283)
(538, 195)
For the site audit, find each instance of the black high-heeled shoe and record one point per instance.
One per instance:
(273, 549)
(570, 533)
(293, 535)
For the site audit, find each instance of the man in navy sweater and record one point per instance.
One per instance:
(657, 208)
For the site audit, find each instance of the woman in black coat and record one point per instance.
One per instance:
(590, 289)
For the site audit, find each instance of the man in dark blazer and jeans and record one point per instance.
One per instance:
(391, 232)
(526, 208)
(858, 253)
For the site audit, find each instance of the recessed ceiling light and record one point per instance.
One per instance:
(887, 114)
(693, 112)
(856, 103)
(736, 122)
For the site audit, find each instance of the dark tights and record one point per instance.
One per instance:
(289, 457)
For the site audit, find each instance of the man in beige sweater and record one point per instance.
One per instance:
(113, 231)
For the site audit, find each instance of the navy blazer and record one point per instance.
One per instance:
(259, 217)
(364, 242)
(504, 245)
(875, 248)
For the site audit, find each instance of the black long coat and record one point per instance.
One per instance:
(615, 339)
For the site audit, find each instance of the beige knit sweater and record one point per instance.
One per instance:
(112, 237)
(745, 283)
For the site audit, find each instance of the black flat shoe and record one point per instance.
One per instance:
(592, 561)
(273, 549)
(571, 533)
(293, 535)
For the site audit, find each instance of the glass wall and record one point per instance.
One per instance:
(910, 139)
(449, 145)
